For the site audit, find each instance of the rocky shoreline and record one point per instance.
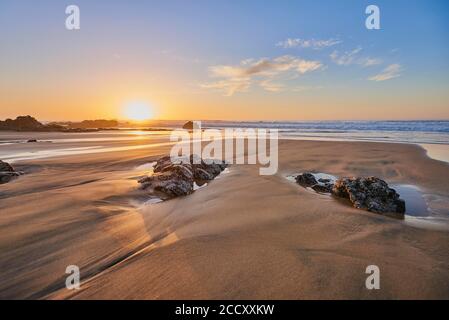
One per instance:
(30, 124)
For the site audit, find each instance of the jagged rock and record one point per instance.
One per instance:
(177, 179)
(8, 176)
(323, 188)
(28, 123)
(7, 172)
(188, 125)
(372, 194)
(5, 167)
(21, 123)
(170, 183)
(306, 179)
(93, 124)
(32, 140)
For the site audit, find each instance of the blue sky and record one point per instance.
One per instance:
(226, 59)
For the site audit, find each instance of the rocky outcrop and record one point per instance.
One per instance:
(171, 180)
(28, 123)
(372, 194)
(306, 179)
(21, 123)
(93, 124)
(323, 188)
(7, 172)
(188, 125)
(5, 167)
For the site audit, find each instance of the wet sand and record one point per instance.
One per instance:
(244, 236)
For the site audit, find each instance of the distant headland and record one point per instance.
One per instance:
(28, 123)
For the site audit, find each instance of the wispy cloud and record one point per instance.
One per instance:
(346, 58)
(312, 43)
(263, 72)
(368, 62)
(390, 72)
(353, 57)
(229, 86)
(268, 85)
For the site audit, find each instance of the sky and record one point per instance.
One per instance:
(229, 60)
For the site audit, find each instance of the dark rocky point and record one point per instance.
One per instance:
(306, 179)
(7, 172)
(188, 125)
(173, 180)
(372, 194)
(323, 188)
(28, 123)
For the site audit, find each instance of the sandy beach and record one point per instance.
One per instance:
(244, 236)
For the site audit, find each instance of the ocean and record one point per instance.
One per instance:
(419, 132)
(433, 136)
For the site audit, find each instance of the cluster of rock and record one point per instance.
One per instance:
(28, 123)
(171, 180)
(308, 180)
(371, 193)
(7, 172)
(93, 124)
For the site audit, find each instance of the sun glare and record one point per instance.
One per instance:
(138, 111)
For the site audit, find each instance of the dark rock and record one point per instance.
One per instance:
(21, 123)
(171, 183)
(188, 125)
(32, 140)
(7, 172)
(372, 194)
(162, 163)
(28, 123)
(323, 188)
(6, 167)
(93, 124)
(322, 180)
(306, 179)
(177, 179)
(8, 176)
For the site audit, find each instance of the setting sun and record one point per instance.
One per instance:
(138, 111)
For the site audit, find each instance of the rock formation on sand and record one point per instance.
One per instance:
(188, 125)
(371, 193)
(7, 172)
(173, 180)
(306, 180)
